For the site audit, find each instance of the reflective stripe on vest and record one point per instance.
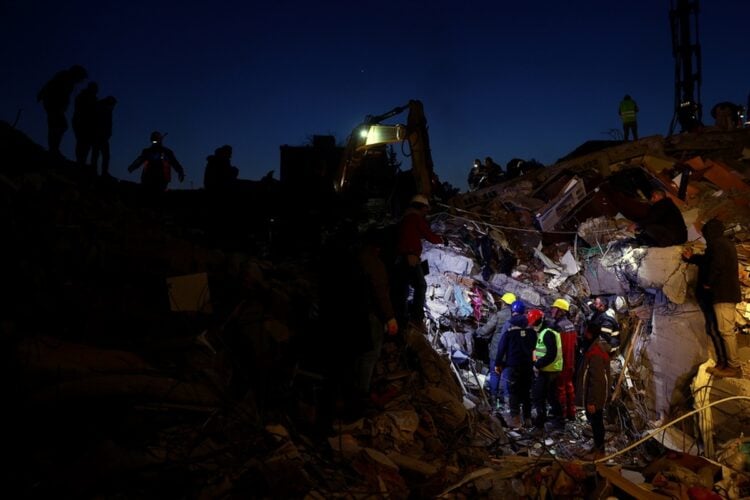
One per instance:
(540, 350)
(627, 111)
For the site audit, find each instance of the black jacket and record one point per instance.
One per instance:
(664, 224)
(718, 279)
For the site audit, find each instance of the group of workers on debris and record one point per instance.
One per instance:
(489, 173)
(92, 126)
(537, 360)
(542, 360)
(92, 117)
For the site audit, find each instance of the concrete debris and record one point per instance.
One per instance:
(159, 388)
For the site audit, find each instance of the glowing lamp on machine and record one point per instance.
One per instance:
(384, 134)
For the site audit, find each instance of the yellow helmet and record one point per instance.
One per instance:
(508, 298)
(561, 304)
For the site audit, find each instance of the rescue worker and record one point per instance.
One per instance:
(220, 175)
(514, 362)
(55, 97)
(493, 172)
(628, 111)
(663, 226)
(102, 133)
(718, 291)
(493, 330)
(605, 319)
(548, 363)
(158, 162)
(476, 174)
(381, 315)
(594, 385)
(412, 229)
(568, 340)
(84, 121)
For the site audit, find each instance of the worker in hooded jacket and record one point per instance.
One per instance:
(717, 292)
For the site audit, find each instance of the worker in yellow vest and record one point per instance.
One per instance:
(548, 363)
(628, 112)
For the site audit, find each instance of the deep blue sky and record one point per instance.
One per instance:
(504, 79)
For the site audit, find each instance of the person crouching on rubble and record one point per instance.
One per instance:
(412, 229)
(663, 225)
(593, 386)
(513, 361)
(548, 363)
(717, 292)
(494, 328)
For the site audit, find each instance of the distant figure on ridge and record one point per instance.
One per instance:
(84, 109)
(220, 175)
(102, 133)
(493, 171)
(55, 97)
(628, 112)
(476, 174)
(158, 162)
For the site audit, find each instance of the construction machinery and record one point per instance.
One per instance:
(372, 136)
(686, 49)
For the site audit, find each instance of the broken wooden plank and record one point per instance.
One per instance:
(613, 476)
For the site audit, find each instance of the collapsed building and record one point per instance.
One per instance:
(152, 352)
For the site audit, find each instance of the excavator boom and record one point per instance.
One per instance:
(372, 133)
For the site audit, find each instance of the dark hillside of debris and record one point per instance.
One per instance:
(184, 346)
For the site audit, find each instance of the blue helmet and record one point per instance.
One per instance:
(518, 307)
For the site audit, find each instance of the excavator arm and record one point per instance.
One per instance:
(371, 133)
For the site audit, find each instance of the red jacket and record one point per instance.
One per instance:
(412, 230)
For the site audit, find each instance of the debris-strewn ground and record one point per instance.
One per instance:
(174, 347)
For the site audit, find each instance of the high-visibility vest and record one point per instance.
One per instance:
(540, 350)
(628, 110)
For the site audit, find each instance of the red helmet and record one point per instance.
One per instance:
(534, 316)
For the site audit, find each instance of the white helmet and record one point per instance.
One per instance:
(421, 199)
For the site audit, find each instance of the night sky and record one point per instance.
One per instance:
(502, 79)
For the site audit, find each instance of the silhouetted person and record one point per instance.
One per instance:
(158, 162)
(727, 115)
(628, 112)
(84, 110)
(514, 168)
(102, 133)
(663, 226)
(475, 174)
(718, 291)
(493, 171)
(220, 175)
(55, 97)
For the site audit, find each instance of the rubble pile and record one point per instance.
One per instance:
(153, 352)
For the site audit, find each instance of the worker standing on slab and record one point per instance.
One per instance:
(628, 112)
(717, 292)
(55, 97)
